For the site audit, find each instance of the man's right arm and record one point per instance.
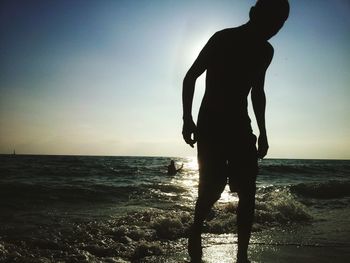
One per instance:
(198, 67)
(259, 103)
(189, 127)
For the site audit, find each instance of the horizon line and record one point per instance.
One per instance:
(164, 156)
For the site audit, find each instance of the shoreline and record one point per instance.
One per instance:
(223, 248)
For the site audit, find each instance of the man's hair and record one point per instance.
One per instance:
(278, 8)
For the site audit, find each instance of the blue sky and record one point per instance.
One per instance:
(104, 77)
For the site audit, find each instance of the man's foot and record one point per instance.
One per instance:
(195, 246)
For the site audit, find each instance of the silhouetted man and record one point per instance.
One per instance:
(236, 60)
(172, 169)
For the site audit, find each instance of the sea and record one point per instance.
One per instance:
(128, 209)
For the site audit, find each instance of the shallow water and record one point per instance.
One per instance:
(115, 209)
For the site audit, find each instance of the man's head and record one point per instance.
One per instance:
(268, 16)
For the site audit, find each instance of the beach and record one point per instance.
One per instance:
(127, 209)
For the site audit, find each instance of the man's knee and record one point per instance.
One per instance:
(247, 189)
(210, 192)
(209, 196)
(246, 196)
(246, 207)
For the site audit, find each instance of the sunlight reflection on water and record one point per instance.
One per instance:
(189, 178)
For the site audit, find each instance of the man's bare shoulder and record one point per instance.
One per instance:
(226, 36)
(227, 31)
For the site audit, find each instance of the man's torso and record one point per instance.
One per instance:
(234, 62)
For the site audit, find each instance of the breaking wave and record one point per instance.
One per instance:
(323, 190)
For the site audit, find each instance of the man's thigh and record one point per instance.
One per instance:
(243, 165)
(212, 169)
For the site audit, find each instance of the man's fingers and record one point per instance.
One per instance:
(188, 139)
(189, 133)
(190, 142)
(262, 152)
(261, 155)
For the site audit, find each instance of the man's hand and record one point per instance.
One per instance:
(263, 146)
(189, 128)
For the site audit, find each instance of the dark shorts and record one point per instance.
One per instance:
(233, 161)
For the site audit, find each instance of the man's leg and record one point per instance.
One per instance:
(206, 199)
(243, 169)
(203, 206)
(245, 216)
(212, 181)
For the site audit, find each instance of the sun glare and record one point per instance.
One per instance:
(192, 179)
(192, 163)
(195, 46)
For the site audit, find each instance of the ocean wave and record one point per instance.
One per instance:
(20, 194)
(312, 167)
(323, 190)
(27, 193)
(169, 188)
(287, 169)
(148, 227)
(273, 208)
(279, 206)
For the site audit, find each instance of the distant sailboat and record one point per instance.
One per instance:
(14, 151)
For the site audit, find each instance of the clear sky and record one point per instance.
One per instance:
(105, 77)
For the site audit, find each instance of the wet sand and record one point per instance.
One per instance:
(223, 248)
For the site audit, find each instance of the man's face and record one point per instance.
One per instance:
(269, 27)
(266, 22)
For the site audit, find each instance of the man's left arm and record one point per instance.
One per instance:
(259, 104)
